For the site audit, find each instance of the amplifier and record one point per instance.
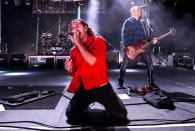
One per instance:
(4, 58)
(17, 60)
(183, 59)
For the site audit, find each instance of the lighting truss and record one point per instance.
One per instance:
(64, 6)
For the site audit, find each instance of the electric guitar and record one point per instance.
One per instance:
(133, 51)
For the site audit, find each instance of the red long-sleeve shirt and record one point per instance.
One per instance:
(91, 76)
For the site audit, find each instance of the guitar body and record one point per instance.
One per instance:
(133, 51)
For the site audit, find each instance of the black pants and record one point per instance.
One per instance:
(114, 108)
(149, 66)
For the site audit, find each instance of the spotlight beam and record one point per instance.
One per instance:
(92, 17)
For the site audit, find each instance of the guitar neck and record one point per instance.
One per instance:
(164, 35)
(158, 38)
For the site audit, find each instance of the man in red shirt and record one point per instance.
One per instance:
(90, 82)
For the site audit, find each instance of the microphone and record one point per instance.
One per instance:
(69, 33)
(143, 6)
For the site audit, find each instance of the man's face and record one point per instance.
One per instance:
(137, 12)
(79, 28)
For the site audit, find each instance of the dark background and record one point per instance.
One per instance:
(19, 24)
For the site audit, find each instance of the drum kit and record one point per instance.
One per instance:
(50, 45)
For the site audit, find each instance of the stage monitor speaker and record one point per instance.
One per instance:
(17, 60)
(159, 99)
(4, 58)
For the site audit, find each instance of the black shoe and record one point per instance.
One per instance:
(119, 86)
(74, 122)
(124, 121)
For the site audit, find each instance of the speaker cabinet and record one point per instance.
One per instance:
(183, 60)
(4, 58)
(17, 60)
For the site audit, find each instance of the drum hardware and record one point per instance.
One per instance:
(50, 45)
(46, 34)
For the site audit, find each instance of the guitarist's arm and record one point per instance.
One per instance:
(153, 42)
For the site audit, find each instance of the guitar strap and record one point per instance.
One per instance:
(143, 29)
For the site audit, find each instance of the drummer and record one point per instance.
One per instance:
(62, 37)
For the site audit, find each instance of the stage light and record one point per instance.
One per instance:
(6, 2)
(127, 70)
(1, 72)
(16, 74)
(17, 2)
(27, 2)
(132, 3)
(92, 17)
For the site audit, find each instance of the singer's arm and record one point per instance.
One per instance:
(88, 56)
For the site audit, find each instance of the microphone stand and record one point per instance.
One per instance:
(150, 30)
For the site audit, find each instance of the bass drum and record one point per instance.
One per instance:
(56, 49)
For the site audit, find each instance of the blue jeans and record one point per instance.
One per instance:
(149, 66)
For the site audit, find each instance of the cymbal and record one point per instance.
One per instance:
(46, 34)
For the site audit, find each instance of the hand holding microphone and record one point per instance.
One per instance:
(75, 36)
(69, 33)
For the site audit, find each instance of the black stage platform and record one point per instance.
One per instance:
(178, 82)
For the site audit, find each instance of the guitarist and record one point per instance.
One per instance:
(133, 31)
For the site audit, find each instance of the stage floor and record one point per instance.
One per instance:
(179, 82)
